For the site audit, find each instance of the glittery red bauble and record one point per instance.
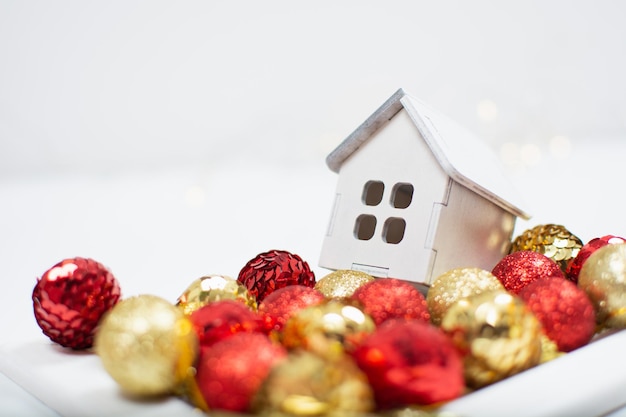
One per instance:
(564, 310)
(575, 265)
(519, 269)
(283, 303)
(221, 319)
(410, 362)
(71, 297)
(230, 372)
(272, 270)
(389, 298)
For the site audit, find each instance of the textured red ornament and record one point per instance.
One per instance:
(575, 265)
(283, 303)
(389, 298)
(272, 270)
(564, 310)
(230, 372)
(221, 319)
(410, 362)
(519, 269)
(70, 299)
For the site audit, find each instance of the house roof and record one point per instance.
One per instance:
(461, 155)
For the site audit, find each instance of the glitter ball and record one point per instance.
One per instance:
(387, 298)
(269, 271)
(70, 299)
(519, 269)
(342, 283)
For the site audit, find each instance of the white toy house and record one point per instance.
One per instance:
(416, 196)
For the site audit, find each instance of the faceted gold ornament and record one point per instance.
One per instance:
(147, 345)
(551, 240)
(342, 283)
(306, 384)
(499, 335)
(328, 329)
(211, 288)
(455, 284)
(603, 278)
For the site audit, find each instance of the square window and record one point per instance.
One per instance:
(393, 230)
(401, 195)
(364, 227)
(373, 193)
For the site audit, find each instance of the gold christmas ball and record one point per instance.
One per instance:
(328, 329)
(455, 284)
(551, 240)
(306, 384)
(342, 283)
(603, 278)
(498, 334)
(211, 288)
(147, 345)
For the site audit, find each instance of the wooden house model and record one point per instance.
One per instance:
(416, 196)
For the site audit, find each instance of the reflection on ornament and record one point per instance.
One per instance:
(211, 288)
(306, 384)
(328, 329)
(269, 271)
(410, 362)
(455, 284)
(70, 299)
(564, 310)
(551, 240)
(147, 345)
(603, 278)
(342, 283)
(518, 269)
(387, 298)
(498, 334)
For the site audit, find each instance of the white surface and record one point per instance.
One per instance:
(170, 141)
(158, 231)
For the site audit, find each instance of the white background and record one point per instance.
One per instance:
(169, 140)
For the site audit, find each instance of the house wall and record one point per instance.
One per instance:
(471, 232)
(396, 154)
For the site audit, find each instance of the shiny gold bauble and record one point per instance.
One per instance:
(328, 329)
(211, 288)
(551, 240)
(307, 385)
(455, 284)
(498, 334)
(342, 283)
(147, 345)
(603, 278)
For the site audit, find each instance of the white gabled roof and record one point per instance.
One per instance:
(461, 155)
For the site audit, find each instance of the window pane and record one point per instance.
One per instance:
(373, 193)
(393, 232)
(402, 195)
(364, 227)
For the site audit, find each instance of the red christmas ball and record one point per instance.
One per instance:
(231, 371)
(410, 362)
(519, 269)
(70, 299)
(576, 264)
(389, 298)
(272, 270)
(279, 306)
(564, 310)
(221, 319)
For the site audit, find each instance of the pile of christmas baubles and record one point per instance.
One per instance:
(277, 341)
